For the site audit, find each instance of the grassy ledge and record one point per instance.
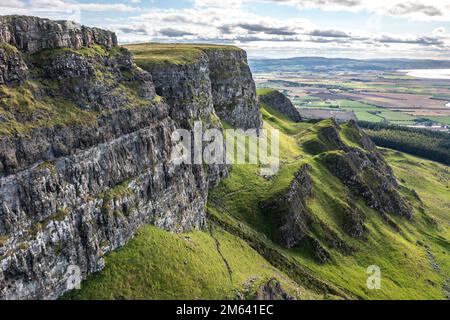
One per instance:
(149, 55)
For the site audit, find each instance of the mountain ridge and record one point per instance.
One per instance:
(86, 151)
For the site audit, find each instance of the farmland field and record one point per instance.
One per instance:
(375, 96)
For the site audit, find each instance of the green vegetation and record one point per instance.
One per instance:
(240, 244)
(363, 111)
(420, 142)
(43, 103)
(117, 192)
(407, 272)
(20, 103)
(157, 264)
(442, 120)
(41, 57)
(3, 240)
(8, 50)
(150, 55)
(59, 215)
(265, 91)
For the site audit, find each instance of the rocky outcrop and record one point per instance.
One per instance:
(85, 153)
(347, 153)
(280, 102)
(353, 223)
(186, 88)
(272, 290)
(364, 171)
(292, 216)
(13, 69)
(233, 88)
(32, 34)
(218, 78)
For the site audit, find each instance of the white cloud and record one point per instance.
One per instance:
(219, 4)
(213, 21)
(254, 32)
(93, 6)
(31, 7)
(12, 4)
(411, 9)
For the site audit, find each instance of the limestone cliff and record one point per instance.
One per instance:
(280, 102)
(85, 144)
(31, 34)
(210, 76)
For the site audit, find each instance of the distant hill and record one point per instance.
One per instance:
(339, 64)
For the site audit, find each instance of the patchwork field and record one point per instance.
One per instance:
(374, 96)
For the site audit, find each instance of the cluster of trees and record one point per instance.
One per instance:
(424, 143)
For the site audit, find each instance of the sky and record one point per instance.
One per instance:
(357, 29)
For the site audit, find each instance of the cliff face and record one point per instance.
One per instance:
(213, 77)
(280, 102)
(85, 146)
(31, 34)
(233, 89)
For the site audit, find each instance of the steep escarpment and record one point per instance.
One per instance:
(32, 34)
(85, 154)
(363, 170)
(189, 76)
(311, 222)
(304, 233)
(340, 153)
(281, 103)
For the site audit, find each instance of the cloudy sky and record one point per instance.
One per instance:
(268, 28)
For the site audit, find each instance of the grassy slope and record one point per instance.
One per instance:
(161, 265)
(161, 54)
(406, 270)
(157, 264)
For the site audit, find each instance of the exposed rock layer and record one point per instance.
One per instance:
(364, 171)
(280, 102)
(218, 77)
(31, 34)
(87, 160)
(347, 153)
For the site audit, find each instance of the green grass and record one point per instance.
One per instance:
(92, 51)
(157, 264)
(245, 188)
(442, 120)
(396, 116)
(264, 91)
(21, 102)
(161, 265)
(150, 55)
(406, 271)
